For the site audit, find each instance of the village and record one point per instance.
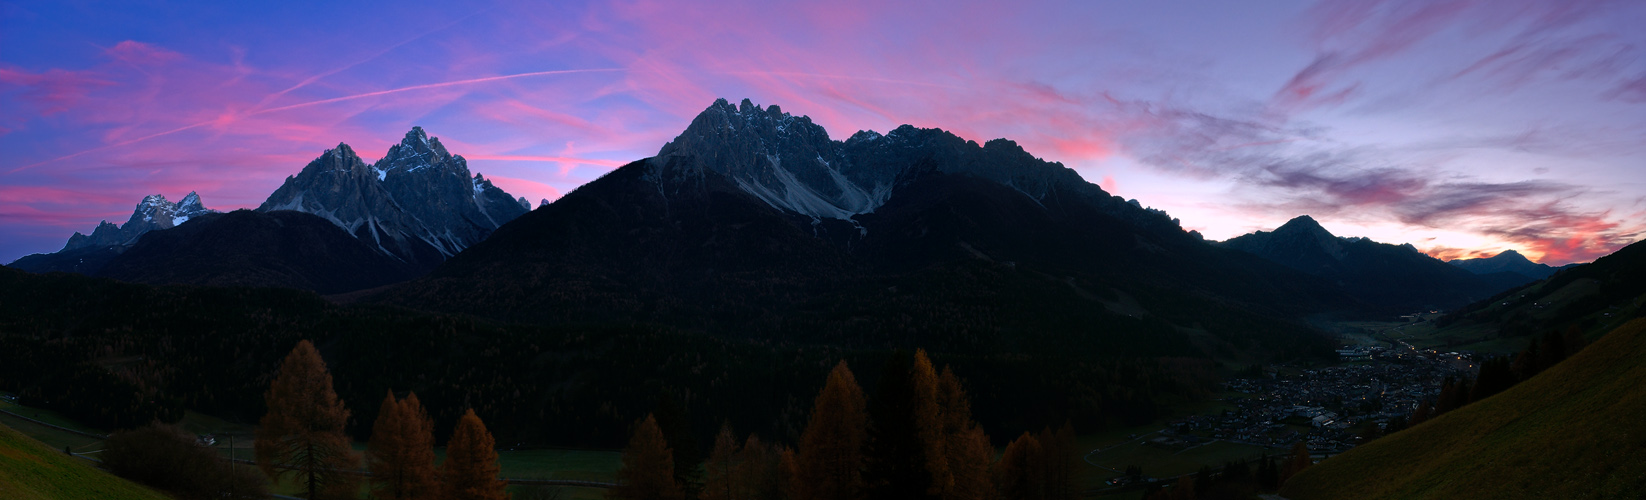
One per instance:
(1333, 408)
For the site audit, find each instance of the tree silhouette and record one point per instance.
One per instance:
(758, 471)
(648, 468)
(470, 470)
(1300, 460)
(400, 454)
(901, 462)
(1017, 476)
(966, 447)
(830, 459)
(303, 429)
(1057, 451)
(676, 423)
(722, 481)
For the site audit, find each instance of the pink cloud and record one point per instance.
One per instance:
(52, 91)
(141, 54)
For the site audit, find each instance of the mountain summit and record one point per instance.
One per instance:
(791, 163)
(154, 212)
(1508, 261)
(88, 254)
(418, 203)
(1397, 278)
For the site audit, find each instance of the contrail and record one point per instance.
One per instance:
(380, 53)
(432, 86)
(470, 81)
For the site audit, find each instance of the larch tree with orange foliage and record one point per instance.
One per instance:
(722, 481)
(829, 461)
(1057, 457)
(759, 470)
(400, 454)
(905, 458)
(967, 448)
(647, 472)
(1018, 476)
(302, 434)
(470, 470)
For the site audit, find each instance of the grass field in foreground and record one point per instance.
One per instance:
(31, 470)
(1577, 430)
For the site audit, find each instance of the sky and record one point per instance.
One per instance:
(1463, 127)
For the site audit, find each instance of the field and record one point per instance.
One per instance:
(1577, 430)
(591, 465)
(31, 470)
(1111, 450)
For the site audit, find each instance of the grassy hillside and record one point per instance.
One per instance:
(29, 470)
(1578, 430)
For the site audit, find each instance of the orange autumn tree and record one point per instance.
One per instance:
(830, 459)
(647, 472)
(302, 434)
(1018, 474)
(967, 448)
(929, 423)
(470, 470)
(722, 480)
(400, 455)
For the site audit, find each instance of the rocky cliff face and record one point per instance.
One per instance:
(791, 164)
(419, 203)
(154, 212)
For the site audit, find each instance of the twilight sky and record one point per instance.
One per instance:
(1463, 127)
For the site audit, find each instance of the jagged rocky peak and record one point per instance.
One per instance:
(418, 151)
(418, 203)
(154, 212)
(790, 163)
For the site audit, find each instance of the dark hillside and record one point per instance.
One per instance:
(1577, 430)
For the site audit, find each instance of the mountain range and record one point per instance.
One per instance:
(338, 225)
(1509, 261)
(1398, 277)
(753, 202)
(753, 223)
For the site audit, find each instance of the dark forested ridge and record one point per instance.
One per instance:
(587, 382)
(1593, 298)
(283, 248)
(1387, 278)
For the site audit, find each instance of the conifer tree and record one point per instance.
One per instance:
(648, 468)
(470, 470)
(1268, 478)
(1017, 475)
(1057, 475)
(967, 447)
(905, 457)
(928, 422)
(758, 471)
(303, 429)
(676, 424)
(400, 454)
(789, 471)
(722, 481)
(830, 459)
(1300, 460)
